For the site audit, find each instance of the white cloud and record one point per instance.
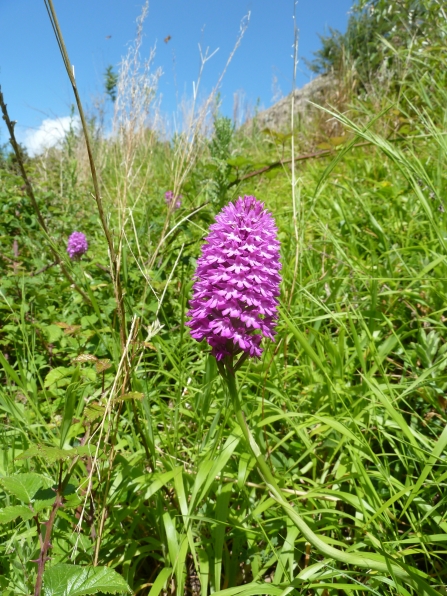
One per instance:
(49, 134)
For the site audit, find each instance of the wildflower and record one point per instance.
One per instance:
(172, 200)
(237, 281)
(77, 245)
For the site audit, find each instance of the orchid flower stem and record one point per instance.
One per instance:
(363, 560)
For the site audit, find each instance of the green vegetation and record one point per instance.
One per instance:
(123, 466)
(379, 36)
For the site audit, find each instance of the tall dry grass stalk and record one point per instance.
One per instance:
(135, 122)
(243, 109)
(189, 139)
(127, 154)
(296, 204)
(194, 119)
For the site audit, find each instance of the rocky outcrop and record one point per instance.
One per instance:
(277, 117)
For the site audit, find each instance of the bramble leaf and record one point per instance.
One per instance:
(131, 395)
(53, 454)
(102, 365)
(25, 486)
(93, 411)
(13, 512)
(73, 580)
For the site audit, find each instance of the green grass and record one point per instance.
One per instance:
(348, 404)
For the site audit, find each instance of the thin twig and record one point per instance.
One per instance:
(305, 156)
(296, 211)
(39, 271)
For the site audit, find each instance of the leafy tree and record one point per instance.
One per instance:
(110, 82)
(399, 24)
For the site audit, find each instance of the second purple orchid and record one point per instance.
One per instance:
(77, 245)
(172, 200)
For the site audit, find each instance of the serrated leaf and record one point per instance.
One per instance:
(25, 486)
(13, 512)
(44, 498)
(239, 161)
(69, 329)
(31, 452)
(87, 450)
(73, 501)
(72, 580)
(94, 411)
(53, 454)
(52, 332)
(102, 365)
(131, 395)
(85, 358)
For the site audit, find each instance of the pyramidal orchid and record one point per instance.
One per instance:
(172, 200)
(77, 245)
(233, 307)
(236, 286)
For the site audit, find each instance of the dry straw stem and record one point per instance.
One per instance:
(29, 190)
(119, 383)
(132, 129)
(97, 195)
(296, 207)
(194, 120)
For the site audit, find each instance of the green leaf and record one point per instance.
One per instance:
(239, 161)
(94, 411)
(25, 486)
(252, 589)
(128, 396)
(72, 580)
(52, 332)
(10, 513)
(53, 454)
(69, 407)
(162, 578)
(59, 375)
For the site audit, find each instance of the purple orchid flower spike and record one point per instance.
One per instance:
(77, 245)
(172, 200)
(236, 286)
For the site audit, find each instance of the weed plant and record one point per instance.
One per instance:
(122, 467)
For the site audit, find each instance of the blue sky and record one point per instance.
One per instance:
(36, 87)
